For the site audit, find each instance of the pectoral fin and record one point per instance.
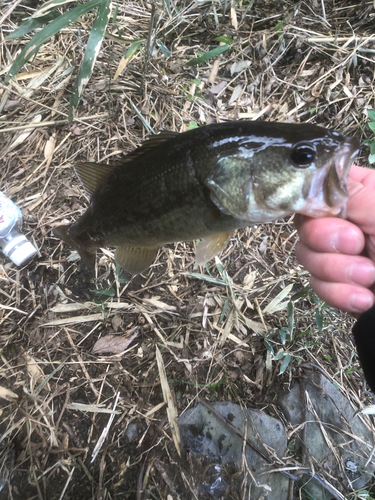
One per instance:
(211, 246)
(135, 259)
(91, 175)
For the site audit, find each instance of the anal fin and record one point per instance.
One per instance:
(135, 259)
(211, 246)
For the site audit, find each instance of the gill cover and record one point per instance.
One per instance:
(230, 184)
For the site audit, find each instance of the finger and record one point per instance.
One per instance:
(330, 235)
(363, 175)
(339, 268)
(361, 206)
(350, 298)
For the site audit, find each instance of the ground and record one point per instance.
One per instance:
(309, 62)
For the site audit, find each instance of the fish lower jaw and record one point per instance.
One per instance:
(317, 210)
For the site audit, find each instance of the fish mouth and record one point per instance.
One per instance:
(328, 193)
(335, 184)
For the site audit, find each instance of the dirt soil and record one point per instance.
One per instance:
(59, 389)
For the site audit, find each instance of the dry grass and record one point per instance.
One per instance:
(58, 397)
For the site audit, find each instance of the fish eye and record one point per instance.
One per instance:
(303, 155)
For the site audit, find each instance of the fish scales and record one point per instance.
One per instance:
(204, 183)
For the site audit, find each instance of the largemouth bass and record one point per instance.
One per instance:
(205, 183)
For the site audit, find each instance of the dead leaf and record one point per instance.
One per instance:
(49, 148)
(11, 105)
(113, 344)
(7, 394)
(168, 398)
(239, 66)
(24, 135)
(36, 373)
(238, 89)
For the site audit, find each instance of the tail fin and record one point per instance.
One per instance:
(88, 258)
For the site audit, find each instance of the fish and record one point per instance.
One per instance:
(205, 183)
(364, 338)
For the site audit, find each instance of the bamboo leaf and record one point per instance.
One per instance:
(32, 48)
(284, 364)
(203, 277)
(91, 53)
(371, 114)
(208, 55)
(163, 48)
(276, 304)
(134, 47)
(224, 39)
(290, 313)
(52, 4)
(32, 24)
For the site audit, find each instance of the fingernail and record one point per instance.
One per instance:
(347, 241)
(360, 302)
(362, 273)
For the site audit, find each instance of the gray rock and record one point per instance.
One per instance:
(203, 434)
(335, 440)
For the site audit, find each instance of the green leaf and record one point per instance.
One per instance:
(371, 114)
(167, 4)
(52, 4)
(319, 319)
(284, 364)
(193, 125)
(372, 126)
(280, 355)
(32, 48)
(372, 147)
(279, 26)
(208, 55)
(105, 293)
(268, 347)
(197, 81)
(283, 333)
(134, 47)
(290, 313)
(32, 24)
(92, 50)
(163, 48)
(301, 294)
(203, 277)
(224, 39)
(371, 159)
(314, 298)
(115, 12)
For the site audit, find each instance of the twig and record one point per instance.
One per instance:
(148, 46)
(9, 11)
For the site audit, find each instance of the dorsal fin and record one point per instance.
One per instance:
(151, 142)
(91, 175)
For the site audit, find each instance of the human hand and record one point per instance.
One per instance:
(340, 254)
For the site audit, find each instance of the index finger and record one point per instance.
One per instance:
(365, 176)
